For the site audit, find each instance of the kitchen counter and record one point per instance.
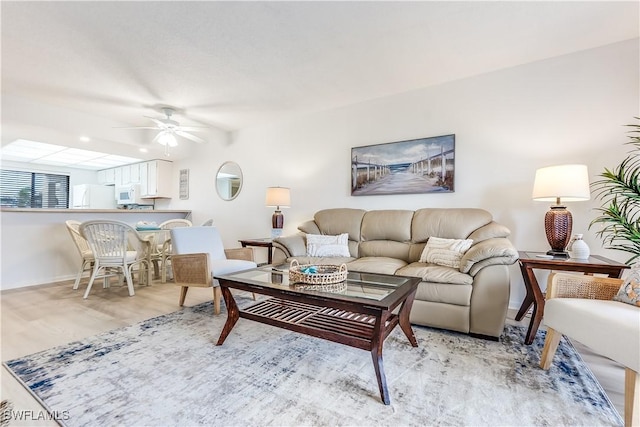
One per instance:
(37, 248)
(109, 211)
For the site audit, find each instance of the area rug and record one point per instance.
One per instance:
(167, 371)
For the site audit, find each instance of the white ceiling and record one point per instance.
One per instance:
(71, 68)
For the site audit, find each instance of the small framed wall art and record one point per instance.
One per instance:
(425, 165)
(184, 184)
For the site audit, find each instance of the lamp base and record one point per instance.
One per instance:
(277, 220)
(558, 254)
(558, 223)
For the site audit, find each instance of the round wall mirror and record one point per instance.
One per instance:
(229, 181)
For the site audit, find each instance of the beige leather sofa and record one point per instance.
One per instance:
(471, 299)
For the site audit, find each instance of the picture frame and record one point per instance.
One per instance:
(424, 165)
(184, 184)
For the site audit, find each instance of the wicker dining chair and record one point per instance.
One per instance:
(83, 248)
(110, 242)
(86, 255)
(164, 247)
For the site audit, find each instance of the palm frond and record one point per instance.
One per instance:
(619, 191)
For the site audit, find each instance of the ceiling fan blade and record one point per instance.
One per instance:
(155, 139)
(157, 121)
(135, 127)
(191, 137)
(193, 128)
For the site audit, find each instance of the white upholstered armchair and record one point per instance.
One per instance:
(198, 254)
(581, 307)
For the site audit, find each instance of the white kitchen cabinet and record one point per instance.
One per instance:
(155, 179)
(106, 177)
(134, 173)
(117, 173)
(125, 173)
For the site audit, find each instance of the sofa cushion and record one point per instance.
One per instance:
(445, 252)
(392, 225)
(435, 273)
(379, 265)
(328, 246)
(453, 223)
(341, 220)
(610, 328)
(302, 260)
(384, 248)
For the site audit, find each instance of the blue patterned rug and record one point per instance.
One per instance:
(167, 371)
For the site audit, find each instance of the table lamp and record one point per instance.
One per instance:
(565, 183)
(278, 197)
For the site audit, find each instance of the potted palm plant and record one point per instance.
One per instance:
(619, 191)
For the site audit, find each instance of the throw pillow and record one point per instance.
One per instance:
(629, 291)
(321, 245)
(445, 252)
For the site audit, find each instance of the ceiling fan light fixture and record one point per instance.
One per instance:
(167, 138)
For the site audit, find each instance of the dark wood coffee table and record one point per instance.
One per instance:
(360, 316)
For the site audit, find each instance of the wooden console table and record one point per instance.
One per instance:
(530, 260)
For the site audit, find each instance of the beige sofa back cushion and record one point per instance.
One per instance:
(341, 220)
(387, 225)
(455, 223)
(386, 233)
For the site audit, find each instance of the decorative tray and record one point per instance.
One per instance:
(310, 274)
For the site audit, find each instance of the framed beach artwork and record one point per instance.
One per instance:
(425, 165)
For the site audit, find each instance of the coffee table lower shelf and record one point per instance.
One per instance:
(344, 327)
(366, 331)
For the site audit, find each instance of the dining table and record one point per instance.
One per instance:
(155, 236)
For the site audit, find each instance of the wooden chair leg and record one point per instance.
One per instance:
(183, 294)
(631, 394)
(550, 346)
(217, 295)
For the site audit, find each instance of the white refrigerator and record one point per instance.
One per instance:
(93, 196)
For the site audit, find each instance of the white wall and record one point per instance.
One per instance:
(569, 109)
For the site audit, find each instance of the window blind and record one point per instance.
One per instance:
(20, 189)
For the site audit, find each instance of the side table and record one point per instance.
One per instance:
(260, 243)
(530, 260)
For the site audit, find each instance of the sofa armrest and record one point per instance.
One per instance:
(494, 251)
(564, 285)
(239, 253)
(489, 231)
(294, 245)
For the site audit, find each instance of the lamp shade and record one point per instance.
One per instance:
(279, 197)
(569, 183)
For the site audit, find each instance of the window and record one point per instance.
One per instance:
(20, 189)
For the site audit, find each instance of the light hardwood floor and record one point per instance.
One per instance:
(42, 317)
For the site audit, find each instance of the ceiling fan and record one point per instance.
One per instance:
(169, 128)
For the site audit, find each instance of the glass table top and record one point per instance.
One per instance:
(358, 285)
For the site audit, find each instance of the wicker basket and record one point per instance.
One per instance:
(334, 288)
(323, 274)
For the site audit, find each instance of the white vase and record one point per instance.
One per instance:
(578, 248)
